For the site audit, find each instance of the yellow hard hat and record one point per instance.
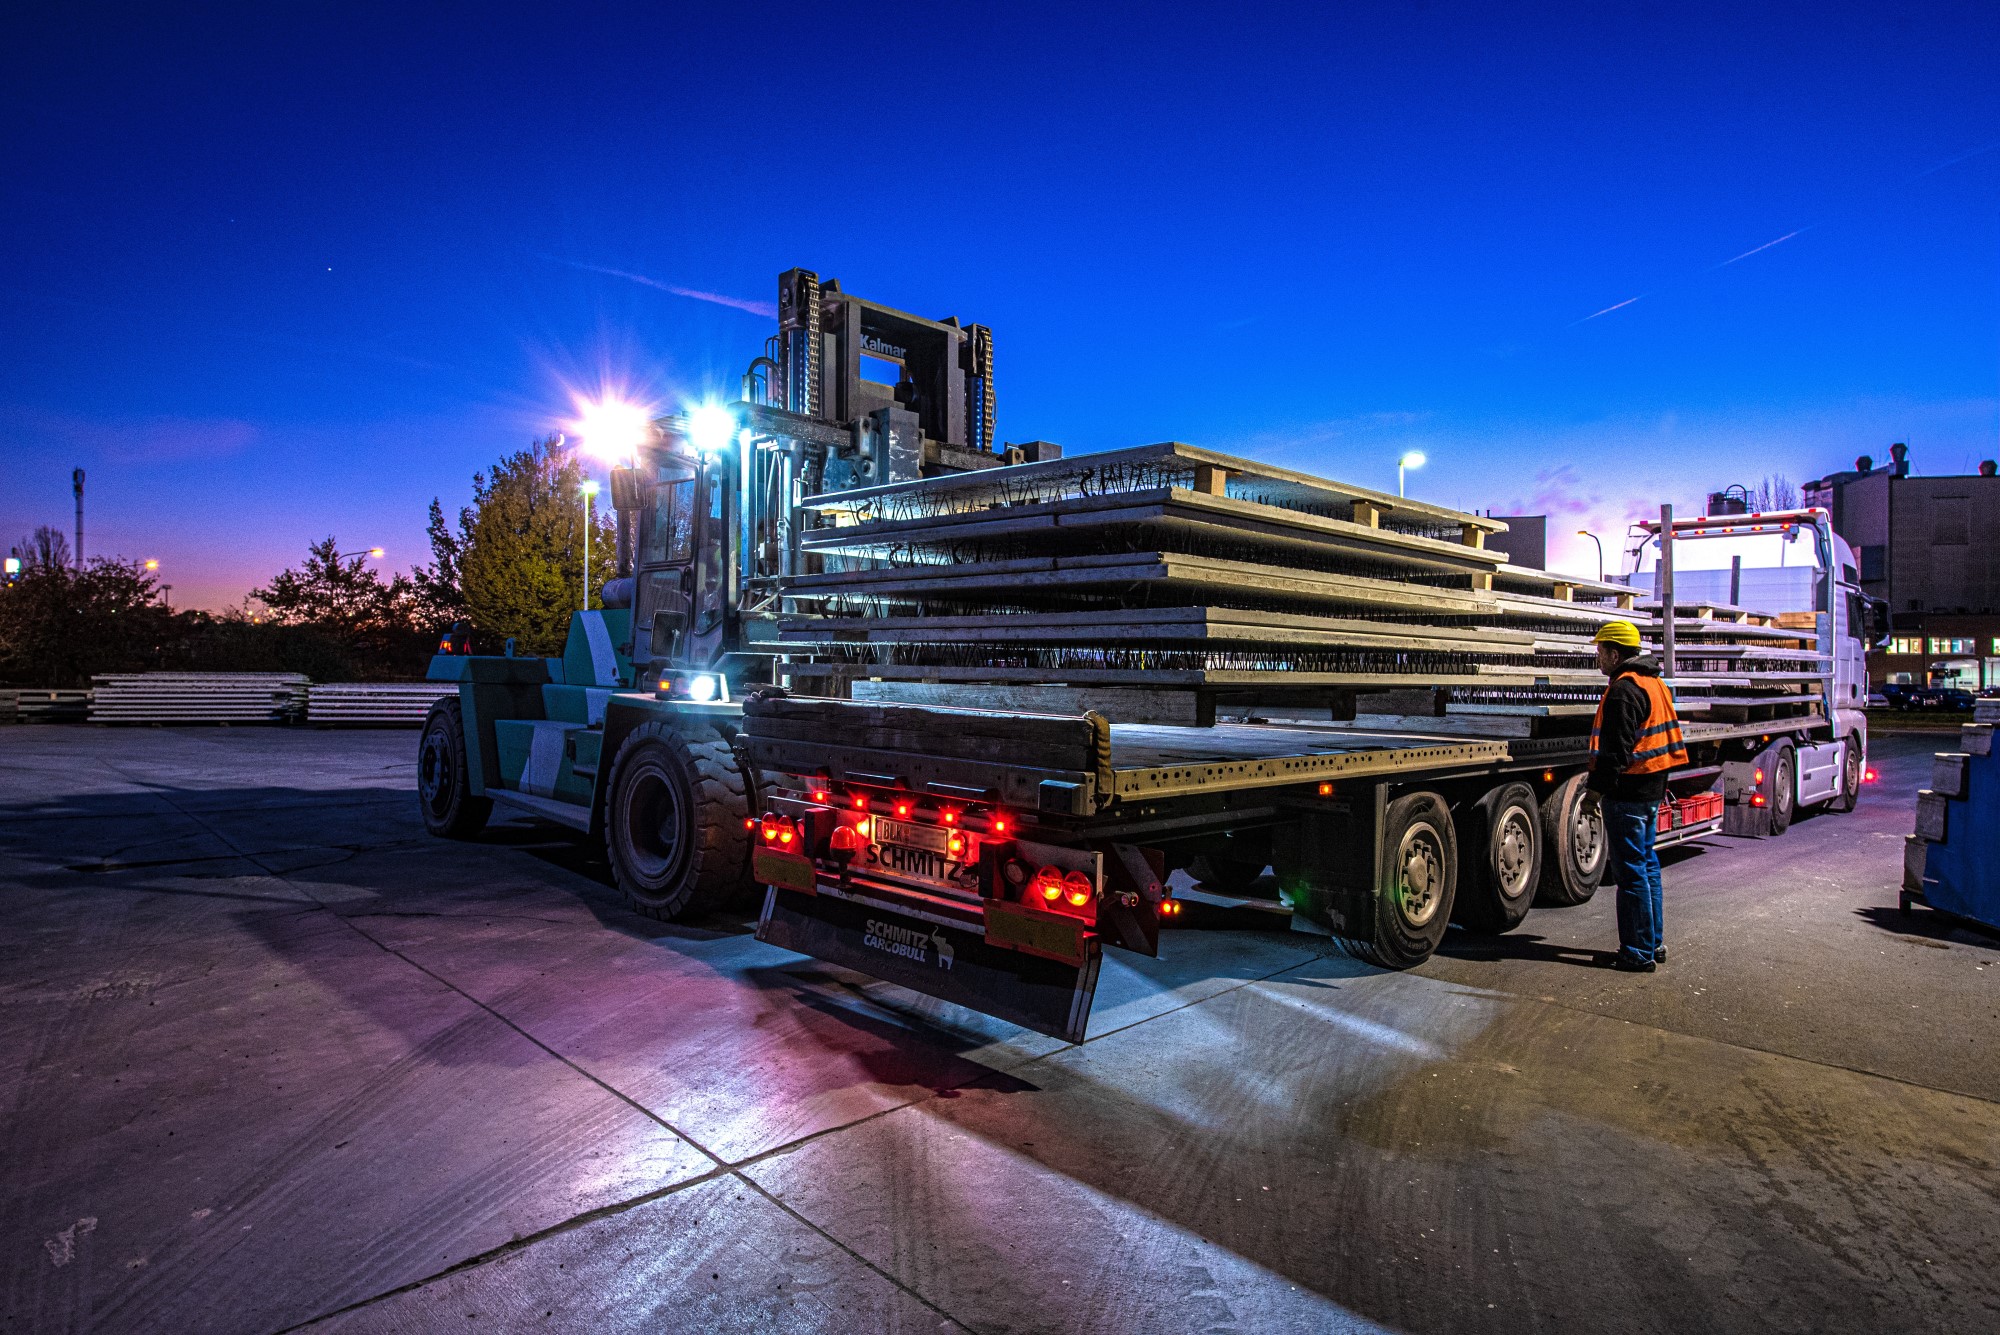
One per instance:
(1617, 632)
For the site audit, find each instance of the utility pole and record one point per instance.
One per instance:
(76, 485)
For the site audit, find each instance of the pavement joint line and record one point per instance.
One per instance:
(723, 1168)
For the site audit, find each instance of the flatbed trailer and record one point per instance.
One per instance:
(957, 714)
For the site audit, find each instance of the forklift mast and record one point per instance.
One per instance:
(848, 394)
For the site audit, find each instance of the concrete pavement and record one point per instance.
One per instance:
(270, 1057)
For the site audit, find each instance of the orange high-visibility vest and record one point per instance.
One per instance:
(1659, 745)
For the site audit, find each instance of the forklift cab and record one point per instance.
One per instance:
(682, 510)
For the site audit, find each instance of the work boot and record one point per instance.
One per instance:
(1660, 955)
(1626, 964)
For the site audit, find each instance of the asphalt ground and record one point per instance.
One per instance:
(270, 1058)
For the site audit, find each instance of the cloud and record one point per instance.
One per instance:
(766, 309)
(160, 439)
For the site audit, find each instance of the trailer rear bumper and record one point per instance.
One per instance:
(1041, 979)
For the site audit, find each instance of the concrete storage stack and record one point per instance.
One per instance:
(378, 703)
(1952, 862)
(198, 697)
(1166, 573)
(29, 705)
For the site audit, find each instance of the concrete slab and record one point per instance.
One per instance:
(715, 1257)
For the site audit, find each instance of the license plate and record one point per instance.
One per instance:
(919, 853)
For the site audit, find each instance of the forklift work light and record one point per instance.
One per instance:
(702, 689)
(710, 428)
(611, 428)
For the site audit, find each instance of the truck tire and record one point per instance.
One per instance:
(1574, 852)
(1502, 862)
(451, 810)
(674, 822)
(1413, 892)
(1782, 764)
(1229, 876)
(1851, 767)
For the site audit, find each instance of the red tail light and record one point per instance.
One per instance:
(820, 794)
(1868, 776)
(1077, 889)
(955, 845)
(771, 825)
(749, 822)
(1049, 884)
(949, 817)
(861, 801)
(1758, 774)
(902, 811)
(999, 824)
(1756, 799)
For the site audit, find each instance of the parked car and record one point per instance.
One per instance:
(1936, 697)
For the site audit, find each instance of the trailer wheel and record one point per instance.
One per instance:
(1231, 876)
(450, 808)
(1413, 893)
(674, 822)
(1850, 778)
(1503, 859)
(1784, 766)
(1573, 845)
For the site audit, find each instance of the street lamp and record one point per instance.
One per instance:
(1586, 533)
(589, 490)
(153, 563)
(1410, 459)
(612, 428)
(342, 556)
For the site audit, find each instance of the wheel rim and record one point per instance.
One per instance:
(1781, 784)
(1586, 835)
(1420, 874)
(1514, 853)
(655, 821)
(434, 771)
(1851, 772)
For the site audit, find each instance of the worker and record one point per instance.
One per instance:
(1634, 740)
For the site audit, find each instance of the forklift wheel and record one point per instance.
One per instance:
(444, 783)
(1503, 859)
(674, 822)
(1574, 853)
(1419, 877)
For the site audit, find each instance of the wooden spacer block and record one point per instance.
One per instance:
(1931, 809)
(1210, 480)
(1483, 580)
(1366, 513)
(1915, 851)
(1948, 773)
(1624, 602)
(1472, 535)
(1566, 592)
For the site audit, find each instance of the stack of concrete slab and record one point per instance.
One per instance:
(401, 704)
(197, 697)
(29, 705)
(1952, 861)
(1170, 567)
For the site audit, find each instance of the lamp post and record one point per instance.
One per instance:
(589, 490)
(1586, 533)
(1410, 459)
(372, 551)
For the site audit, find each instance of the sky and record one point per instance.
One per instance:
(273, 272)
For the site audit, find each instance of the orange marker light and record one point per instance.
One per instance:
(1757, 775)
(1548, 776)
(865, 829)
(1326, 790)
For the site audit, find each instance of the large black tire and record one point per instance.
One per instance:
(1501, 864)
(450, 808)
(1413, 894)
(1782, 770)
(674, 822)
(1574, 850)
(1850, 778)
(1228, 876)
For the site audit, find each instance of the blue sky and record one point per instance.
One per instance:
(271, 272)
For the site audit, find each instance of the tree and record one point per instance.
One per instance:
(1775, 493)
(350, 603)
(59, 625)
(440, 591)
(518, 555)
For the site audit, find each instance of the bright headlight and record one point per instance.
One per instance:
(710, 428)
(703, 688)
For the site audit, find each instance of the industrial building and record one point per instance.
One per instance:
(1929, 548)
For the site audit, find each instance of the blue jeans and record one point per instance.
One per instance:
(1631, 829)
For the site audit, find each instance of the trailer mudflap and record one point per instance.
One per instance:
(940, 955)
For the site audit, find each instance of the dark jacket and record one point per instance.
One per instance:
(1625, 711)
